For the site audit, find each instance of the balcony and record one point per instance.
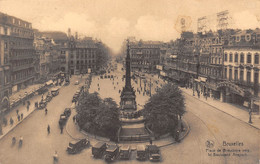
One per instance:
(21, 67)
(21, 57)
(17, 81)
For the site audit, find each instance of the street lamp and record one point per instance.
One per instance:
(250, 113)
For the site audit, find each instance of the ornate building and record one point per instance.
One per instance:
(145, 55)
(16, 56)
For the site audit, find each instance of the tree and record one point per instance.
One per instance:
(97, 116)
(163, 108)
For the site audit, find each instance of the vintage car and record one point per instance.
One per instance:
(154, 153)
(125, 152)
(55, 91)
(67, 82)
(77, 146)
(76, 96)
(98, 149)
(141, 152)
(48, 98)
(42, 90)
(63, 119)
(111, 153)
(42, 104)
(67, 112)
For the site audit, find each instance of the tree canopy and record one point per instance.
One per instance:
(163, 108)
(97, 116)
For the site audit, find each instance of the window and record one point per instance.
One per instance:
(225, 73)
(248, 77)
(230, 57)
(248, 58)
(236, 57)
(6, 45)
(242, 58)
(256, 59)
(225, 57)
(230, 74)
(236, 75)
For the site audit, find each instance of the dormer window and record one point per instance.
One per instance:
(238, 38)
(248, 37)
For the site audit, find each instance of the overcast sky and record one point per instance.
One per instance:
(113, 20)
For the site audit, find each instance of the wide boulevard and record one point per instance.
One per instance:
(207, 125)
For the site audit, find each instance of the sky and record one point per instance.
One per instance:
(112, 21)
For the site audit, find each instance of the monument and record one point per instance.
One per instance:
(133, 128)
(128, 96)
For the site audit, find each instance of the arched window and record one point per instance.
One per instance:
(230, 57)
(236, 57)
(226, 57)
(241, 58)
(256, 58)
(249, 58)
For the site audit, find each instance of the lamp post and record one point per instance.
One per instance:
(250, 112)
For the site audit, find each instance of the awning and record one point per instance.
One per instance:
(49, 82)
(203, 79)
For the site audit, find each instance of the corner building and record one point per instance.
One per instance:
(16, 56)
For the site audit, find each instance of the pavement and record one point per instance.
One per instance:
(22, 110)
(236, 111)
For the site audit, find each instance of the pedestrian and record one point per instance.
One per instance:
(48, 129)
(27, 107)
(46, 111)
(61, 129)
(21, 116)
(17, 111)
(151, 141)
(11, 121)
(99, 89)
(18, 117)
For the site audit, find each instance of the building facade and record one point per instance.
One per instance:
(17, 55)
(145, 55)
(82, 56)
(222, 64)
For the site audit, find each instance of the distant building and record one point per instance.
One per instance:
(16, 56)
(82, 56)
(145, 55)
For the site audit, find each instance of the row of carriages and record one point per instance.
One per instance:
(113, 152)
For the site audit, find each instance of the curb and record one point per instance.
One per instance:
(222, 111)
(181, 138)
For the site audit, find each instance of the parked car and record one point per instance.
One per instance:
(67, 83)
(111, 153)
(76, 83)
(42, 90)
(125, 152)
(67, 112)
(48, 97)
(98, 149)
(141, 152)
(42, 104)
(77, 146)
(55, 91)
(154, 153)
